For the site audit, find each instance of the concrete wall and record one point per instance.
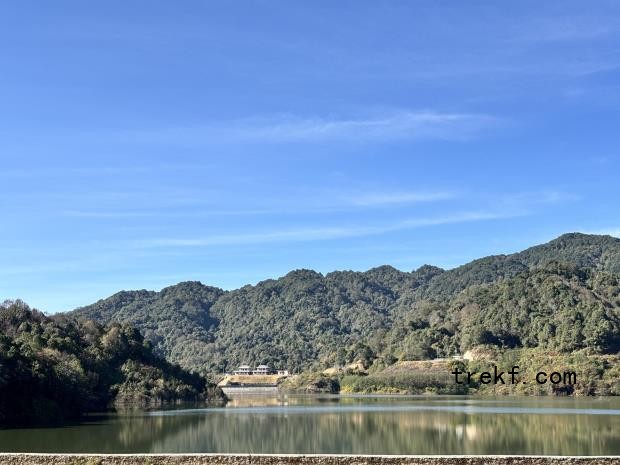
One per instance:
(245, 390)
(245, 459)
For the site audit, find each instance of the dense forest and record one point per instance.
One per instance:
(563, 296)
(56, 368)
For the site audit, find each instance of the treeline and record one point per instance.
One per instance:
(561, 296)
(57, 368)
(558, 307)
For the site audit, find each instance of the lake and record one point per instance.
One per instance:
(346, 425)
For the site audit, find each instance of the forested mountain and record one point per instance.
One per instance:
(601, 253)
(172, 319)
(563, 295)
(56, 368)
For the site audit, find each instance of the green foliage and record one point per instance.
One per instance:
(310, 383)
(418, 383)
(53, 369)
(557, 307)
(562, 296)
(595, 374)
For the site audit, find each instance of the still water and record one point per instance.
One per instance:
(346, 425)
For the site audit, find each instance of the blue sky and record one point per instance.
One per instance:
(143, 143)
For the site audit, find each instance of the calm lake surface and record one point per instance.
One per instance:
(347, 425)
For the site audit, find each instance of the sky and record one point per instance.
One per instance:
(144, 143)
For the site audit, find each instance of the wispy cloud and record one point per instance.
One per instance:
(394, 198)
(566, 28)
(527, 200)
(169, 213)
(283, 128)
(196, 204)
(317, 234)
(405, 125)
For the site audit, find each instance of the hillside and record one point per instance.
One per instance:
(54, 369)
(601, 253)
(562, 295)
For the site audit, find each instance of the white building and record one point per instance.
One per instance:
(259, 370)
(263, 370)
(243, 370)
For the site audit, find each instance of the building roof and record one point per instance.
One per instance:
(262, 366)
(244, 366)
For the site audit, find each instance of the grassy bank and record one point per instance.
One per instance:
(581, 374)
(595, 375)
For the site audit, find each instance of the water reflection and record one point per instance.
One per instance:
(362, 425)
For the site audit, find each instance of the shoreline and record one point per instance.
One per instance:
(296, 459)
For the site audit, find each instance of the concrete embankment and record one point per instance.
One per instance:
(245, 459)
(249, 390)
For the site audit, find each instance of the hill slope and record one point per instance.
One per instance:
(56, 368)
(562, 295)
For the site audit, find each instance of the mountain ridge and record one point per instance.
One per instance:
(306, 319)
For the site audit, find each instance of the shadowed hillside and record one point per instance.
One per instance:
(55, 368)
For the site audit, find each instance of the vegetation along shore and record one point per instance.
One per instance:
(553, 307)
